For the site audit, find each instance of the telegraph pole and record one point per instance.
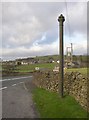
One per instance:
(61, 19)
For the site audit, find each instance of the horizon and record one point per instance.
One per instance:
(36, 56)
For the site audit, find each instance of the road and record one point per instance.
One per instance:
(16, 100)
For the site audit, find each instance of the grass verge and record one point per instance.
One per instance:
(50, 105)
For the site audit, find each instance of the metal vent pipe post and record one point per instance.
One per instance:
(61, 19)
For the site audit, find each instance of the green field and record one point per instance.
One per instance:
(50, 105)
(0, 67)
(31, 67)
(81, 70)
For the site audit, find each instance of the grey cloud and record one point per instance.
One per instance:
(29, 19)
(32, 51)
(26, 23)
(76, 20)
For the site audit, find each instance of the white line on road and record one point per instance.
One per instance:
(3, 88)
(25, 87)
(13, 84)
(15, 78)
(21, 82)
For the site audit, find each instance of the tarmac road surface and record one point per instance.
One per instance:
(16, 100)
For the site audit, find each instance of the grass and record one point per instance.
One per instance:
(0, 67)
(31, 67)
(50, 105)
(81, 70)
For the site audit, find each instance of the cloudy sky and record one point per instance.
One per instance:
(31, 29)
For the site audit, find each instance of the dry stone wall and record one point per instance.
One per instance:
(75, 84)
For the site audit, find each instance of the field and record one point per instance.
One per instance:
(0, 67)
(81, 70)
(50, 105)
(26, 69)
(50, 66)
(31, 67)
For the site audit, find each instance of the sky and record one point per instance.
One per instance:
(32, 29)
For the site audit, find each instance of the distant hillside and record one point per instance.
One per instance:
(83, 58)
